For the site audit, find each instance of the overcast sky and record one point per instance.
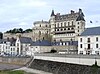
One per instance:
(22, 13)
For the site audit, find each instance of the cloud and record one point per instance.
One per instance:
(23, 24)
(22, 13)
(32, 3)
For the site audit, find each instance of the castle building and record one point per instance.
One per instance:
(61, 27)
(41, 30)
(68, 26)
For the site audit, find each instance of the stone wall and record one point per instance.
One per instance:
(6, 35)
(15, 60)
(63, 68)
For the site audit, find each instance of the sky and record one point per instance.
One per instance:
(23, 13)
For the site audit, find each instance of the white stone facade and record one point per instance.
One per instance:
(89, 45)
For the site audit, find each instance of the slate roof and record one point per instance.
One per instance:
(67, 43)
(48, 43)
(11, 40)
(80, 17)
(41, 43)
(25, 40)
(91, 31)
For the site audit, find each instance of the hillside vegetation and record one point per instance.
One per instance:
(19, 30)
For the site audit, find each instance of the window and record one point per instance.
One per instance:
(57, 29)
(78, 30)
(72, 28)
(39, 32)
(88, 52)
(80, 45)
(64, 28)
(45, 25)
(96, 38)
(40, 25)
(68, 28)
(96, 45)
(78, 23)
(81, 52)
(89, 46)
(65, 24)
(11, 49)
(68, 23)
(61, 24)
(97, 52)
(78, 27)
(72, 22)
(88, 40)
(80, 39)
(58, 24)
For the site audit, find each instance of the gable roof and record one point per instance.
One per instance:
(25, 40)
(91, 31)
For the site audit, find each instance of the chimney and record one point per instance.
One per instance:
(80, 10)
(58, 14)
(72, 11)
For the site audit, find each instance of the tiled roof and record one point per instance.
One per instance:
(91, 31)
(25, 40)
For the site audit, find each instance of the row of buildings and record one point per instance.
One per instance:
(64, 33)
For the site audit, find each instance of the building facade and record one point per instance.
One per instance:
(89, 41)
(61, 27)
(68, 26)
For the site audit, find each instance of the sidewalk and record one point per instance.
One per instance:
(29, 70)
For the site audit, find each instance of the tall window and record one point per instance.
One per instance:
(96, 45)
(78, 23)
(89, 46)
(72, 22)
(80, 39)
(96, 38)
(40, 25)
(64, 23)
(88, 40)
(61, 24)
(80, 45)
(58, 24)
(68, 23)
